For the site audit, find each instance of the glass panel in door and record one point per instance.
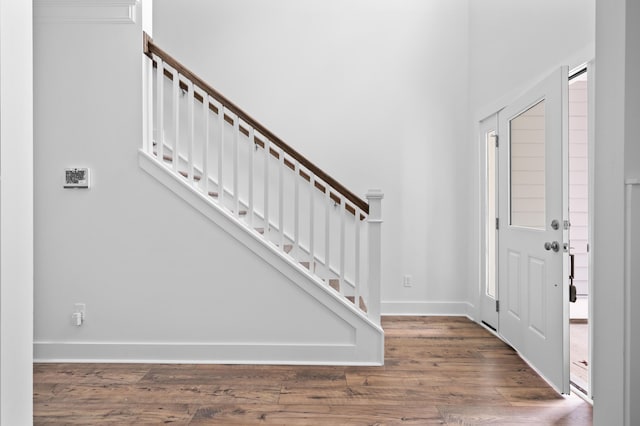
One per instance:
(527, 138)
(490, 140)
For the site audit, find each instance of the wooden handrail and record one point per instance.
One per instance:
(150, 49)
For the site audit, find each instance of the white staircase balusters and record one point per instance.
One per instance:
(220, 154)
(340, 237)
(205, 144)
(252, 150)
(159, 108)
(356, 248)
(148, 107)
(236, 166)
(190, 131)
(267, 153)
(176, 120)
(327, 229)
(296, 206)
(374, 259)
(343, 215)
(312, 182)
(281, 200)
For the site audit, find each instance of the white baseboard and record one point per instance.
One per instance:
(202, 353)
(427, 308)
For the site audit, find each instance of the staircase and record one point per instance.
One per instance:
(268, 196)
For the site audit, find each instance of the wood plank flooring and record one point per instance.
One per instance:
(438, 370)
(579, 358)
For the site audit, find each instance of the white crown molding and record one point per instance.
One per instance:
(85, 11)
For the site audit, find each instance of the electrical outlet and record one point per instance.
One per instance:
(79, 314)
(407, 281)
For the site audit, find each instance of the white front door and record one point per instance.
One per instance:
(533, 313)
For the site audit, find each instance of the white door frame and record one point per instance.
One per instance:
(591, 118)
(590, 69)
(487, 305)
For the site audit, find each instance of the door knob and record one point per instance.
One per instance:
(555, 246)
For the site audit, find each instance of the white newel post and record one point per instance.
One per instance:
(374, 223)
(147, 105)
(147, 82)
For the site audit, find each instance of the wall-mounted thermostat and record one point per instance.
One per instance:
(76, 178)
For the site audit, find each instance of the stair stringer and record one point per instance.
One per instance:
(367, 346)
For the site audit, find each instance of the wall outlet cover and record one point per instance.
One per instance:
(406, 281)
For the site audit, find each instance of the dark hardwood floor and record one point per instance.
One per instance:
(438, 370)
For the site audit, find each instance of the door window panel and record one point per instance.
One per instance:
(527, 168)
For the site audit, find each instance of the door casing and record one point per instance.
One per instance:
(488, 303)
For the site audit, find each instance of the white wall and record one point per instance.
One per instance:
(512, 46)
(608, 239)
(16, 213)
(632, 98)
(632, 171)
(159, 280)
(515, 44)
(617, 158)
(375, 93)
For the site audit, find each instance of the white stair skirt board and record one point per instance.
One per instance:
(427, 308)
(365, 347)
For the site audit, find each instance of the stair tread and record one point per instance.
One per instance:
(165, 157)
(363, 306)
(335, 284)
(214, 194)
(185, 174)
